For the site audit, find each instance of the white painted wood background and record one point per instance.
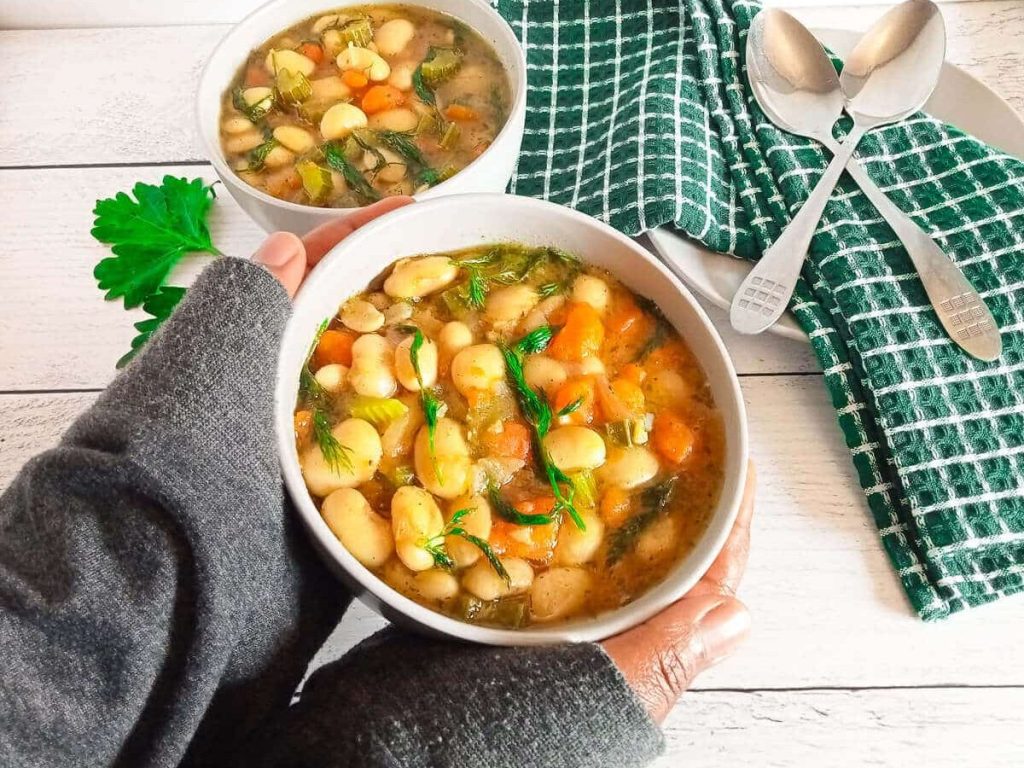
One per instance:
(838, 670)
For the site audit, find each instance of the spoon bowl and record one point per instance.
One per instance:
(894, 68)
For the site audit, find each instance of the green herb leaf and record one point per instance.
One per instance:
(571, 407)
(258, 156)
(254, 112)
(510, 514)
(334, 155)
(537, 341)
(149, 235)
(484, 547)
(337, 456)
(430, 404)
(425, 94)
(402, 143)
(653, 502)
(159, 305)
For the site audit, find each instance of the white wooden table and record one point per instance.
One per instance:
(838, 670)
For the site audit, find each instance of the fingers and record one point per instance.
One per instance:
(284, 256)
(661, 658)
(326, 236)
(724, 575)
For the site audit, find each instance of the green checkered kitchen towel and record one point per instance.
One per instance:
(639, 114)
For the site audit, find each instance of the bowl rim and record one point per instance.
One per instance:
(588, 629)
(215, 155)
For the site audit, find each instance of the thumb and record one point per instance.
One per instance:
(661, 657)
(284, 256)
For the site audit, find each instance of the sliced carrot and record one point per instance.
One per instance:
(303, 426)
(578, 388)
(353, 78)
(334, 347)
(513, 441)
(381, 98)
(531, 542)
(615, 506)
(672, 437)
(460, 113)
(256, 74)
(629, 393)
(312, 51)
(581, 336)
(634, 373)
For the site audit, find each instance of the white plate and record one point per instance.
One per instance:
(959, 99)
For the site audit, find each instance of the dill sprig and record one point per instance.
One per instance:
(334, 155)
(538, 413)
(571, 407)
(258, 156)
(435, 545)
(255, 112)
(510, 514)
(337, 456)
(536, 340)
(652, 503)
(428, 401)
(402, 143)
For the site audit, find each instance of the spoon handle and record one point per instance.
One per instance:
(764, 294)
(962, 312)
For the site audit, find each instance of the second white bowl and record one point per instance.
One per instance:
(488, 173)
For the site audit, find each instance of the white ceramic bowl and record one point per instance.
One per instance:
(488, 173)
(462, 221)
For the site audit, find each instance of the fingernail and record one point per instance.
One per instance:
(723, 628)
(277, 249)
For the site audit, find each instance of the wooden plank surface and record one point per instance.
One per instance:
(143, 111)
(828, 609)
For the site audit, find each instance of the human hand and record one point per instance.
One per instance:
(661, 657)
(290, 258)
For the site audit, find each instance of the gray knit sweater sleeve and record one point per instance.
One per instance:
(158, 605)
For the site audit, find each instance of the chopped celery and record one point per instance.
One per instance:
(315, 180)
(585, 487)
(627, 432)
(450, 137)
(510, 612)
(358, 32)
(293, 87)
(440, 64)
(379, 411)
(400, 475)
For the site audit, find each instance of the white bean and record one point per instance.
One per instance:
(294, 138)
(539, 315)
(477, 522)
(436, 585)
(426, 356)
(331, 377)
(364, 533)
(507, 306)
(417, 277)
(278, 157)
(591, 290)
(575, 448)
(259, 96)
(328, 89)
(361, 445)
(415, 519)
(330, 20)
(660, 539)
(454, 337)
(559, 592)
(361, 316)
(392, 36)
(666, 388)
(576, 547)
(400, 578)
(340, 120)
(399, 119)
(364, 60)
(293, 61)
(372, 371)
(544, 373)
(243, 142)
(401, 76)
(477, 368)
(629, 467)
(397, 313)
(237, 124)
(588, 366)
(450, 460)
(484, 582)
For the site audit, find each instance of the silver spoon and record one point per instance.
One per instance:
(890, 74)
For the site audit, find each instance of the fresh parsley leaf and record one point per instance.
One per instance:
(149, 235)
(159, 305)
